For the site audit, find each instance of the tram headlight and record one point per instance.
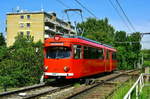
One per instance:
(45, 68)
(66, 68)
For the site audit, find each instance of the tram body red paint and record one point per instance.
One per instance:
(63, 53)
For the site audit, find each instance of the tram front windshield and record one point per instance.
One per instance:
(58, 52)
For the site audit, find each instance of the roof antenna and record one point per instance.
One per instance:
(42, 9)
(17, 9)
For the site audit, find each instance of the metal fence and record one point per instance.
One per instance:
(138, 85)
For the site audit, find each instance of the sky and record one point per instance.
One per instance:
(136, 10)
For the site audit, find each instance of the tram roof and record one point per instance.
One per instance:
(83, 38)
(88, 40)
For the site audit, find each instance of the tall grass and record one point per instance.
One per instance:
(121, 91)
(145, 94)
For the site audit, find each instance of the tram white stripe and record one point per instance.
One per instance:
(58, 74)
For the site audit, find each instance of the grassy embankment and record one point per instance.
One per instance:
(121, 91)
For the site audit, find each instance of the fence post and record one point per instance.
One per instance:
(130, 96)
(142, 81)
(137, 91)
(141, 84)
(147, 72)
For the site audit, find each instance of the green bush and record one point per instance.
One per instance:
(22, 64)
(146, 63)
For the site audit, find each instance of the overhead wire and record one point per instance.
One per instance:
(130, 23)
(68, 7)
(134, 42)
(117, 11)
(62, 3)
(90, 12)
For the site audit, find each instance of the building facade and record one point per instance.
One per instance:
(40, 25)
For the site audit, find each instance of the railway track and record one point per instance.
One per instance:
(104, 87)
(34, 91)
(51, 91)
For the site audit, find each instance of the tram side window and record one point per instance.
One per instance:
(114, 56)
(86, 53)
(77, 51)
(100, 54)
(107, 54)
(93, 53)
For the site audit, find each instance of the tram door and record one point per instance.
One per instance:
(108, 61)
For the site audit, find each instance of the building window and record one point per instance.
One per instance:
(28, 33)
(28, 16)
(6, 29)
(21, 17)
(28, 25)
(21, 25)
(21, 33)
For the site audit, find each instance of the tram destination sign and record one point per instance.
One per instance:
(57, 43)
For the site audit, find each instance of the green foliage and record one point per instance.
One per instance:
(23, 64)
(146, 63)
(2, 40)
(128, 49)
(3, 53)
(99, 30)
(145, 94)
(146, 57)
(122, 90)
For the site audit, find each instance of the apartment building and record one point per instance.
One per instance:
(40, 25)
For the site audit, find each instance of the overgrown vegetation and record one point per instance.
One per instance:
(121, 91)
(146, 57)
(145, 94)
(21, 64)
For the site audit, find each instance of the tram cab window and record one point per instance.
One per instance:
(77, 51)
(58, 52)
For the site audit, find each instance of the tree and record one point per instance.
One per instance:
(24, 65)
(3, 48)
(128, 49)
(98, 30)
(2, 40)
(146, 57)
(120, 38)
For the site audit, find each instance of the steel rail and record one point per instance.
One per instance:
(56, 89)
(22, 90)
(100, 83)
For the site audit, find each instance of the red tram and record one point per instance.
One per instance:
(76, 57)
